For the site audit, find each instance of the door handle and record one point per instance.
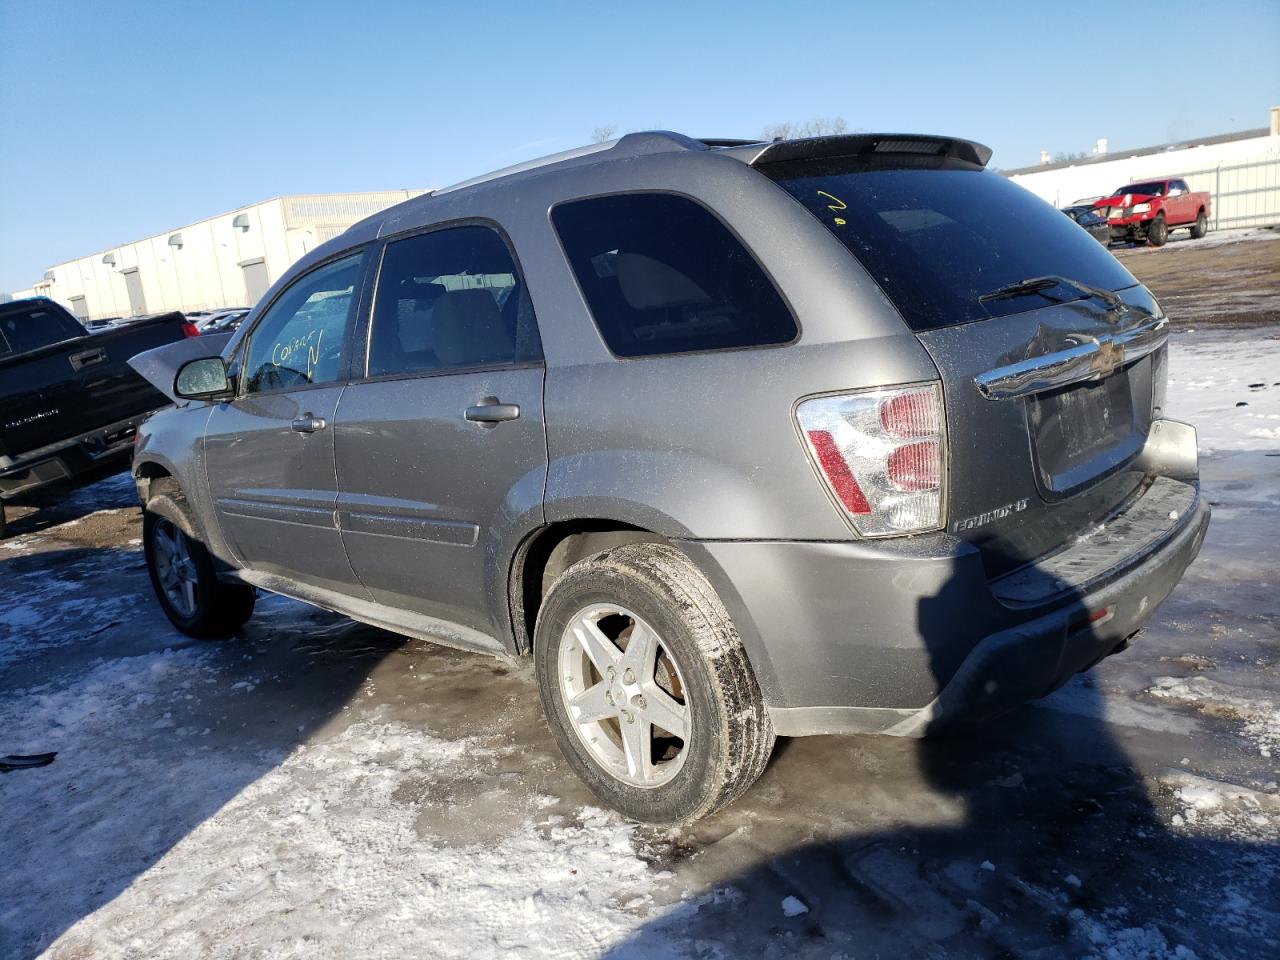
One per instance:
(489, 412)
(309, 424)
(87, 358)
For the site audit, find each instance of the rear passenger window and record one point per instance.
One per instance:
(662, 275)
(449, 299)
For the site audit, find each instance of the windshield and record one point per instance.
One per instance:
(1153, 188)
(936, 238)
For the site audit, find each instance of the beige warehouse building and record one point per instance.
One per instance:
(225, 261)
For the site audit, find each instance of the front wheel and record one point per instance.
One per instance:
(1201, 226)
(647, 687)
(1158, 232)
(188, 588)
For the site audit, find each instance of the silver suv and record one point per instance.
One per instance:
(734, 439)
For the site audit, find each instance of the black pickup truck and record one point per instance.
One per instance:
(69, 402)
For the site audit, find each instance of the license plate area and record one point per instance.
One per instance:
(1084, 432)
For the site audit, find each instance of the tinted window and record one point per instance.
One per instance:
(662, 275)
(452, 298)
(1154, 188)
(25, 327)
(299, 340)
(937, 237)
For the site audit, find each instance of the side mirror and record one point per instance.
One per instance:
(203, 379)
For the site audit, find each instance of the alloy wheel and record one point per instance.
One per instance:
(175, 569)
(625, 695)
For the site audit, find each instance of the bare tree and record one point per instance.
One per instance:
(601, 134)
(1063, 156)
(817, 127)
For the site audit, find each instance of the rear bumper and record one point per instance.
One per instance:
(69, 458)
(900, 637)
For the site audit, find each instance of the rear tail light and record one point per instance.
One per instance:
(189, 329)
(881, 454)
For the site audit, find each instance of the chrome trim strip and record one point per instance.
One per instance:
(1100, 357)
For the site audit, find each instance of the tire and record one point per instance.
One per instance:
(1158, 232)
(1200, 227)
(183, 576)
(697, 674)
(4, 523)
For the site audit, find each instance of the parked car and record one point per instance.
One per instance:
(220, 321)
(1147, 211)
(733, 440)
(69, 403)
(1090, 220)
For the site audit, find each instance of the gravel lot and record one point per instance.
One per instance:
(316, 788)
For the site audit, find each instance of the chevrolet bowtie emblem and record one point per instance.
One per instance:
(1108, 359)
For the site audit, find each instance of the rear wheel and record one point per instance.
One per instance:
(182, 574)
(647, 687)
(1158, 232)
(1201, 226)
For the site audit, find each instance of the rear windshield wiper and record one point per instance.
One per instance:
(1039, 285)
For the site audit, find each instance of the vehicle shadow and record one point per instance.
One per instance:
(1029, 835)
(48, 507)
(154, 732)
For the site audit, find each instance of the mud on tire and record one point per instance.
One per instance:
(730, 736)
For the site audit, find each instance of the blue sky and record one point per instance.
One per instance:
(119, 120)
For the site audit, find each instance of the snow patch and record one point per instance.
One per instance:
(1258, 714)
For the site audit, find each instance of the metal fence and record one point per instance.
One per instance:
(1244, 195)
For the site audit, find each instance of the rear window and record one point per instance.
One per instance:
(26, 327)
(661, 274)
(937, 237)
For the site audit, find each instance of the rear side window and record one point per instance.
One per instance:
(450, 299)
(937, 238)
(661, 274)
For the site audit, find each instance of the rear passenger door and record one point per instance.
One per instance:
(440, 447)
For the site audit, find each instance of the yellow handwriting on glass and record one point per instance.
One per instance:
(835, 207)
(307, 344)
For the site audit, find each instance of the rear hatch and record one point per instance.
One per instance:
(1047, 347)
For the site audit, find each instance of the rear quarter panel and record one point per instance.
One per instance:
(703, 445)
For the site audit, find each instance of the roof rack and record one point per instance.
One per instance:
(753, 152)
(629, 145)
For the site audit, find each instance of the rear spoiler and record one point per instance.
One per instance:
(862, 145)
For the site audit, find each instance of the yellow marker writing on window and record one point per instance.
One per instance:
(836, 206)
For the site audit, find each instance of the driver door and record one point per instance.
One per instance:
(269, 453)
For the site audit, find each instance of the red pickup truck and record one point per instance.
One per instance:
(1150, 209)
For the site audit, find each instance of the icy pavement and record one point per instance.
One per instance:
(316, 788)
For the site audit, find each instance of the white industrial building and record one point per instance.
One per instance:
(1241, 172)
(226, 261)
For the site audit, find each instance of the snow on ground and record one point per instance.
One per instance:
(315, 788)
(1258, 713)
(1229, 387)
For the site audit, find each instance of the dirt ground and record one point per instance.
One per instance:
(1219, 280)
(317, 788)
